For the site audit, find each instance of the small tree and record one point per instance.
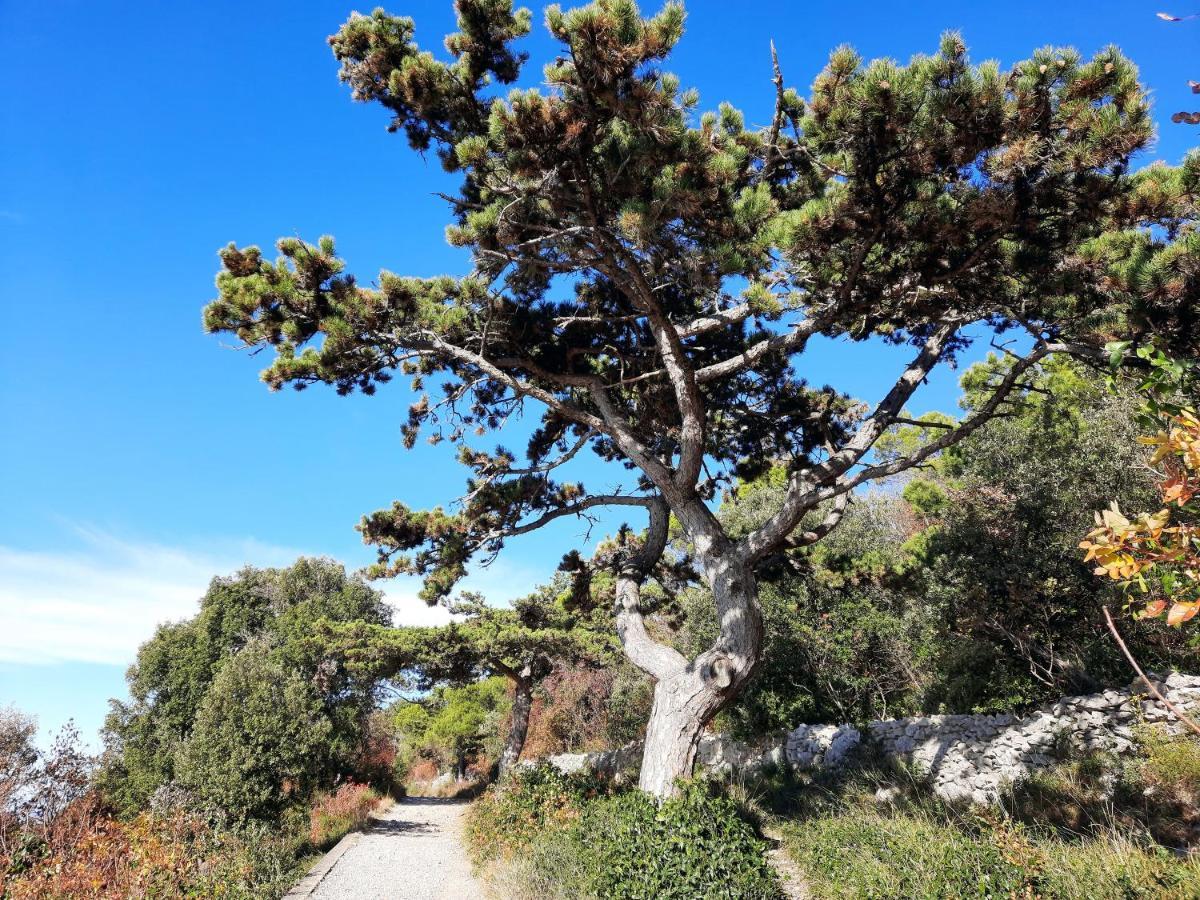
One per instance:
(259, 741)
(522, 644)
(648, 281)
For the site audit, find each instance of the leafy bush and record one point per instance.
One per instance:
(575, 836)
(692, 846)
(524, 806)
(259, 742)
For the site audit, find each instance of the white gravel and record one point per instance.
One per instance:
(414, 852)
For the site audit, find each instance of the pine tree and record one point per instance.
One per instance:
(647, 280)
(522, 644)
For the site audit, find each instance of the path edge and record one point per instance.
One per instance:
(309, 883)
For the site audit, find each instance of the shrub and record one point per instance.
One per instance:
(523, 807)
(694, 845)
(88, 853)
(335, 815)
(574, 836)
(260, 739)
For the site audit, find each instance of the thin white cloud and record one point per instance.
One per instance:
(98, 601)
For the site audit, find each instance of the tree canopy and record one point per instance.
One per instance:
(646, 279)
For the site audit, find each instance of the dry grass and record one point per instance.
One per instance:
(347, 809)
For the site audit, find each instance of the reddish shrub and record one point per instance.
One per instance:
(570, 712)
(345, 810)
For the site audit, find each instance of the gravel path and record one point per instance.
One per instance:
(413, 852)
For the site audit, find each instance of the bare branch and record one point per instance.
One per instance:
(660, 660)
(575, 509)
(805, 485)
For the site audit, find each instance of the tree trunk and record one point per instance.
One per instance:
(521, 705)
(688, 694)
(683, 705)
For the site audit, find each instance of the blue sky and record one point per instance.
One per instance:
(140, 456)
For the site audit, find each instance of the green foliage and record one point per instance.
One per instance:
(260, 740)
(523, 641)
(621, 844)
(1003, 568)
(276, 610)
(694, 845)
(454, 723)
(524, 807)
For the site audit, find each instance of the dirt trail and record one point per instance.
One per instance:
(414, 851)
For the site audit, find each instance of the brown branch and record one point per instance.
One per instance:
(1112, 626)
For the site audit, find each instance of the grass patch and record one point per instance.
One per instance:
(1096, 827)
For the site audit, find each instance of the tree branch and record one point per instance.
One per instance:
(804, 485)
(659, 660)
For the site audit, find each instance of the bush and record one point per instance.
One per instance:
(335, 815)
(285, 613)
(260, 739)
(575, 836)
(89, 853)
(523, 807)
(694, 845)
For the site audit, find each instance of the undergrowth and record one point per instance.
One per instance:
(1094, 827)
(541, 834)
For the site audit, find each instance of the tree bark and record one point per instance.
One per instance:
(683, 705)
(687, 694)
(521, 705)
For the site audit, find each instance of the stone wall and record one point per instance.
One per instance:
(971, 757)
(966, 757)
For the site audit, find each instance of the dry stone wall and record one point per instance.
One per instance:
(966, 757)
